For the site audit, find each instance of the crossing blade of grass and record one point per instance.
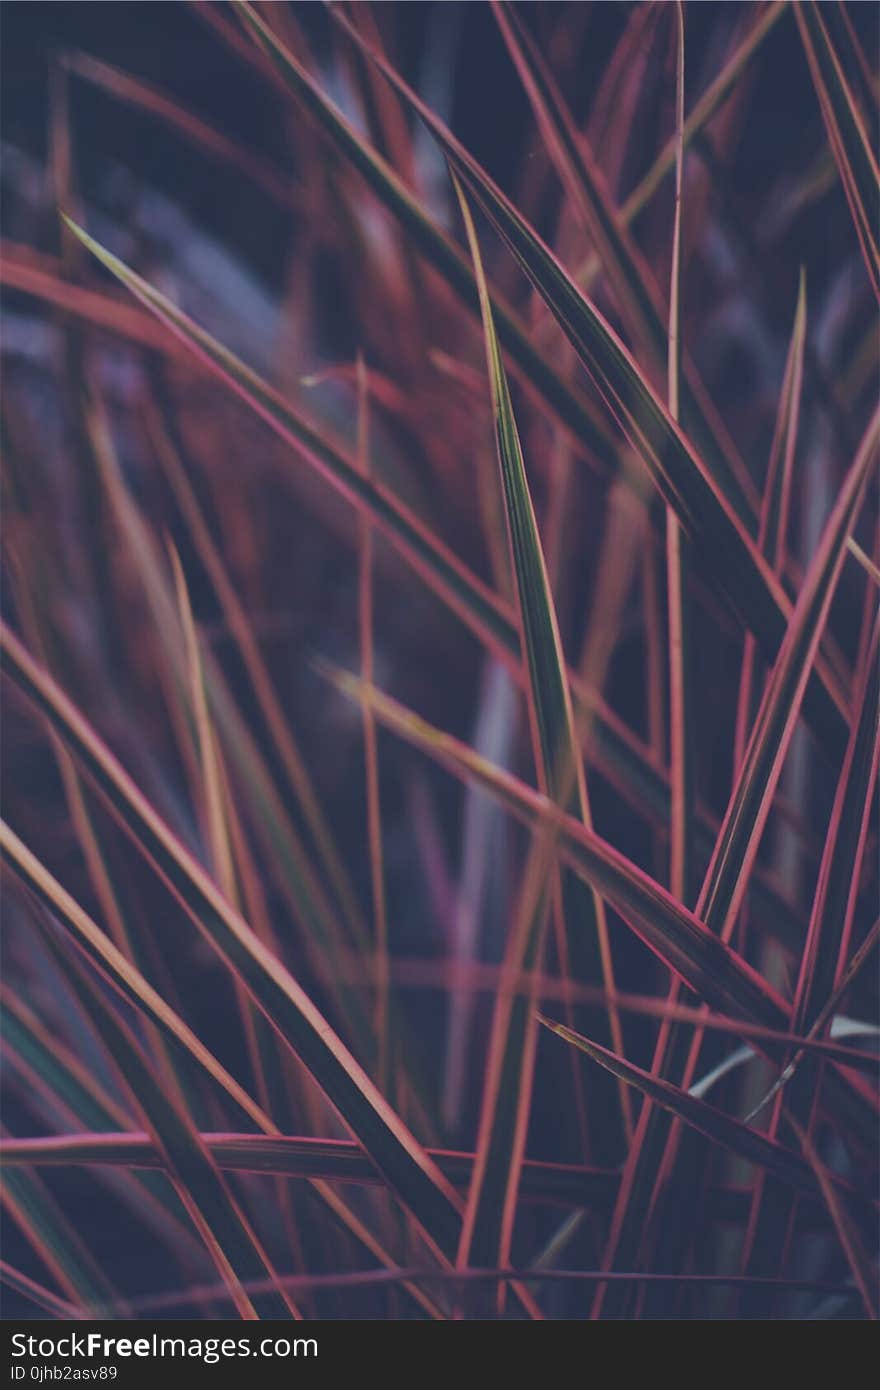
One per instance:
(489, 1217)
(218, 1218)
(838, 869)
(125, 978)
(464, 593)
(825, 1014)
(75, 1098)
(42, 278)
(628, 1212)
(296, 1157)
(772, 1211)
(686, 482)
(847, 136)
(864, 560)
(434, 1206)
(259, 1038)
(120, 972)
(670, 930)
(746, 814)
(737, 845)
(442, 253)
(711, 101)
(634, 288)
(57, 1244)
(623, 757)
(786, 1164)
(321, 934)
(38, 1294)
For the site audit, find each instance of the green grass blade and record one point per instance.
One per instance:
(488, 1227)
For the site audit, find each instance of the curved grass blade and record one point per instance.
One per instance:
(849, 141)
(143, 96)
(685, 481)
(215, 1213)
(433, 1204)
